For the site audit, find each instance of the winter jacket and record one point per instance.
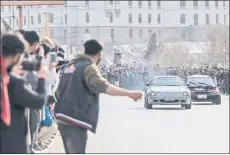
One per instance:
(14, 138)
(78, 94)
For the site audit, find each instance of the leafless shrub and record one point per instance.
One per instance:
(175, 55)
(217, 45)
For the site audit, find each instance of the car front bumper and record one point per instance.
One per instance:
(163, 101)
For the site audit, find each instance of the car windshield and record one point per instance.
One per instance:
(201, 81)
(167, 81)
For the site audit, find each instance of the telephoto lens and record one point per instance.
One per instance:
(33, 65)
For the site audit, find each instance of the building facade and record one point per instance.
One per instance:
(122, 21)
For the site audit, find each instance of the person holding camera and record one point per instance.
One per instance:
(35, 56)
(14, 138)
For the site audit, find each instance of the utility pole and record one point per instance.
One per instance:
(20, 17)
(13, 16)
(67, 32)
(47, 24)
(28, 17)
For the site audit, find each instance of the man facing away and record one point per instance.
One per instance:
(77, 108)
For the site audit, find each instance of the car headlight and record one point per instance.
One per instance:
(152, 93)
(185, 93)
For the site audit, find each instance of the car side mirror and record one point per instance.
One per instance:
(147, 84)
(218, 85)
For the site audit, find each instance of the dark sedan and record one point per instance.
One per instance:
(203, 89)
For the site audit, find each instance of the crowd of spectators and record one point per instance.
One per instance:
(135, 76)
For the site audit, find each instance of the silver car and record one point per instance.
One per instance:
(167, 90)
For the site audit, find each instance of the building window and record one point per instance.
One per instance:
(195, 3)
(158, 18)
(2, 8)
(217, 19)
(195, 18)
(51, 34)
(183, 34)
(130, 33)
(130, 3)
(65, 33)
(216, 3)
(158, 3)
(225, 19)
(139, 3)
(111, 2)
(10, 22)
(207, 3)
(139, 18)
(32, 20)
(86, 2)
(140, 33)
(24, 20)
(130, 18)
(9, 8)
(149, 4)
(87, 31)
(51, 17)
(149, 18)
(117, 2)
(223, 3)
(150, 33)
(39, 18)
(182, 19)
(111, 17)
(87, 17)
(112, 34)
(182, 3)
(207, 19)
(66, 18)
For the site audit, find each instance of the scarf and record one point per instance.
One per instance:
(5, 103)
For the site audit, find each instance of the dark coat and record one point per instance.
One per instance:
(77, 104)
(14, 138)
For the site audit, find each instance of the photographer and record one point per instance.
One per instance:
(14, 138)
(35, 51)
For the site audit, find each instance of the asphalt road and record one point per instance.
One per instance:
(126, 127)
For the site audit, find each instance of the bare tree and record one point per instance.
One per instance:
(175, 55)
(216, 48)
(151, 47)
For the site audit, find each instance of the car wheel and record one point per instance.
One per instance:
(148, 106)
(217, 102)
(188, 106)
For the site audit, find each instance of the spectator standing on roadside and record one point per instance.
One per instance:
(14, 138)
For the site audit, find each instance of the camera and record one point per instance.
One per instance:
(32, 65)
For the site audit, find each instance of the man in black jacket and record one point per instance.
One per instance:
(77, 108)
(14, 138)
